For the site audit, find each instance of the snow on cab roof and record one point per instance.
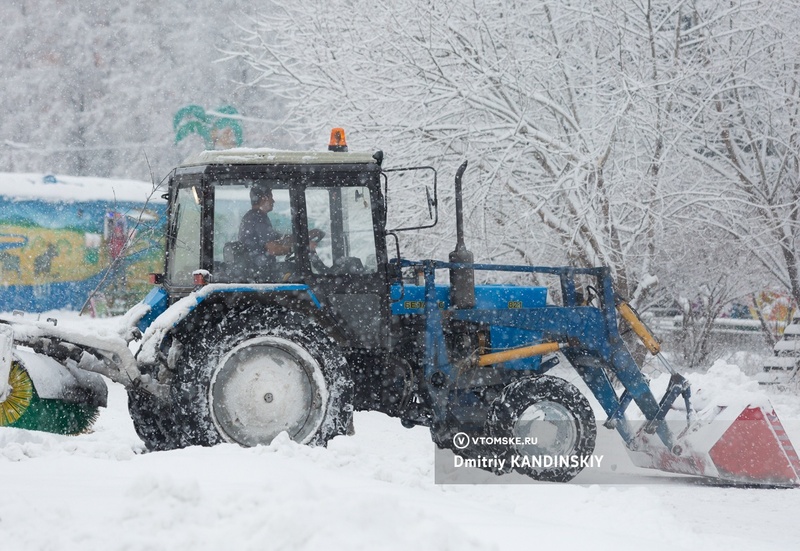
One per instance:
(252, 156)
(74, 189)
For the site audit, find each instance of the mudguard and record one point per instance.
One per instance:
(157, 327)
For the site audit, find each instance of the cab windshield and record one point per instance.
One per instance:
(273, 230)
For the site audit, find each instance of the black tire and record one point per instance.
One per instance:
(550, 407)
(154, 422)
(256, 373)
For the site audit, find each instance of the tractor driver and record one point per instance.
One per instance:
(262, 241)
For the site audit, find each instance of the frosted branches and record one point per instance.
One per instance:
(596, 131)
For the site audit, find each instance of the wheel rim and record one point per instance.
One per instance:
(265, 386)
(550, 428)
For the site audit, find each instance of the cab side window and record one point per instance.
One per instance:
(345, 215)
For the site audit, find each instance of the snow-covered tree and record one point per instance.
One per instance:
(563, 109)
(91, 87)
(745, 113)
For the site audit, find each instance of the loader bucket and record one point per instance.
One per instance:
(742, 442)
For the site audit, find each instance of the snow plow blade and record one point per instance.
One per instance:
(738, 443)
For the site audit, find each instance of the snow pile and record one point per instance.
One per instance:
(724, 382)
(22, 445)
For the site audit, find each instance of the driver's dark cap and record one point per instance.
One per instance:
(257, 193)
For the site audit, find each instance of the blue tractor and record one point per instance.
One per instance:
(233, 345)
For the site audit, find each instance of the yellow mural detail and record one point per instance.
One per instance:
(48, 256)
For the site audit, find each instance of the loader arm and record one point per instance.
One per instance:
(106, 354)
(749, 446)
(588, 335)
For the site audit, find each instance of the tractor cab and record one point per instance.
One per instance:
(327, 208)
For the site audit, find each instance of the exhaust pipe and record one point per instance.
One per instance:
(462, 279)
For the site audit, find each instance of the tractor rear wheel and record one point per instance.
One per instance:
(549, 424)
(257, 373)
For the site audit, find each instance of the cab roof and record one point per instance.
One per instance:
(264, 156)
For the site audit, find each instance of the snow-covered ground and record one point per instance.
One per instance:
(374, 490)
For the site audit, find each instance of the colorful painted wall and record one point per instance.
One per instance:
(61, 238)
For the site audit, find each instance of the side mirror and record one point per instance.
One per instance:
(408, 215)
(431, 202)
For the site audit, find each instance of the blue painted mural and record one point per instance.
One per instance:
(57, 251)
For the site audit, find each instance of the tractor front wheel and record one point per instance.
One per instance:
(549, 425)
